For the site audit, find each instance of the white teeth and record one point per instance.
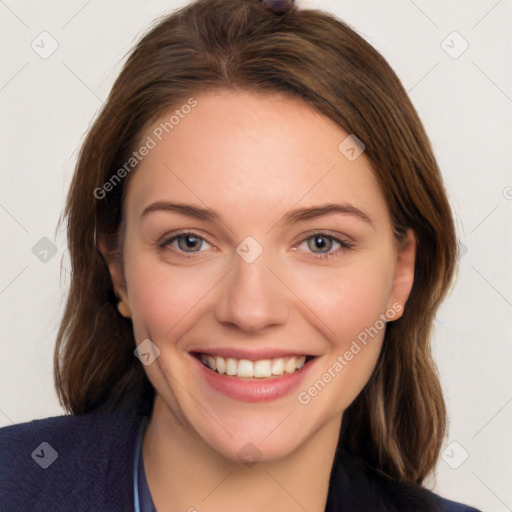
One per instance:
(261, 369)
(231, 366)
(245, 368)
(220, 364)
(278, 366)
(210, 361)
(290, 366)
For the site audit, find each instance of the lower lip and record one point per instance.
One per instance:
(255, 390)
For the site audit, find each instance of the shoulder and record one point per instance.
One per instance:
(68, 462)
(407, 496)
(453, 506)
(360, 488)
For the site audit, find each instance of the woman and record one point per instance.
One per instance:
(260, 239)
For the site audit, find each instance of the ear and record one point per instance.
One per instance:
(116, 273)
(403, 278)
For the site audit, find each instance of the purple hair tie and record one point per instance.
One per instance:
(278, 6)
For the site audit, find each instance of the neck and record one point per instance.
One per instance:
(184, 473)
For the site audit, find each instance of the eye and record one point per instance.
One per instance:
(187, 242)
(323, 245)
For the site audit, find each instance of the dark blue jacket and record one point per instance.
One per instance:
(93, 471)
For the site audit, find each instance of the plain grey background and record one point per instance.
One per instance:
(58, 62)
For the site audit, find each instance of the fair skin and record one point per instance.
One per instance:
(252, 159)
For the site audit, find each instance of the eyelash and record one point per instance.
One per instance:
(345, 244)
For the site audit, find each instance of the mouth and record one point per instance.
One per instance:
(254, 369)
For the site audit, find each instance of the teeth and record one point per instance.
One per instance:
(210, 361)
(260, 369)
(290, 365)
(245, 368)
(278, 366)
(231, 366)
(220, 364)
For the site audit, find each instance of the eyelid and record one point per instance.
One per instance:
(345, 244)
(168, 238)
(341, 237)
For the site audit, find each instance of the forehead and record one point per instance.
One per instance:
(236, 150)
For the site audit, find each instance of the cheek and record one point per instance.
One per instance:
(362, 299)
(356, 331)
(161, 296)
(348, 299)
(352, 311)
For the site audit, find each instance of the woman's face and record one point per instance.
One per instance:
(253, 241)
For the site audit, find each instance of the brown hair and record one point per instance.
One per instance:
(398, 422)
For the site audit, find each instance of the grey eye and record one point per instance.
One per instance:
(189, 243)
(321, 242)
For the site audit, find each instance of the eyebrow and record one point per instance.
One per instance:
(293, 216)
(302, 214)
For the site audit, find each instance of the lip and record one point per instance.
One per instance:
(253, 390)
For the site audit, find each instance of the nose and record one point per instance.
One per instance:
(253, 298)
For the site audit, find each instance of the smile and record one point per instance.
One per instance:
(260, 369)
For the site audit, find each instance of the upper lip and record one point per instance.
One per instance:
(253, 355)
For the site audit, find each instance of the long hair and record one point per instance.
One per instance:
(398, 421)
